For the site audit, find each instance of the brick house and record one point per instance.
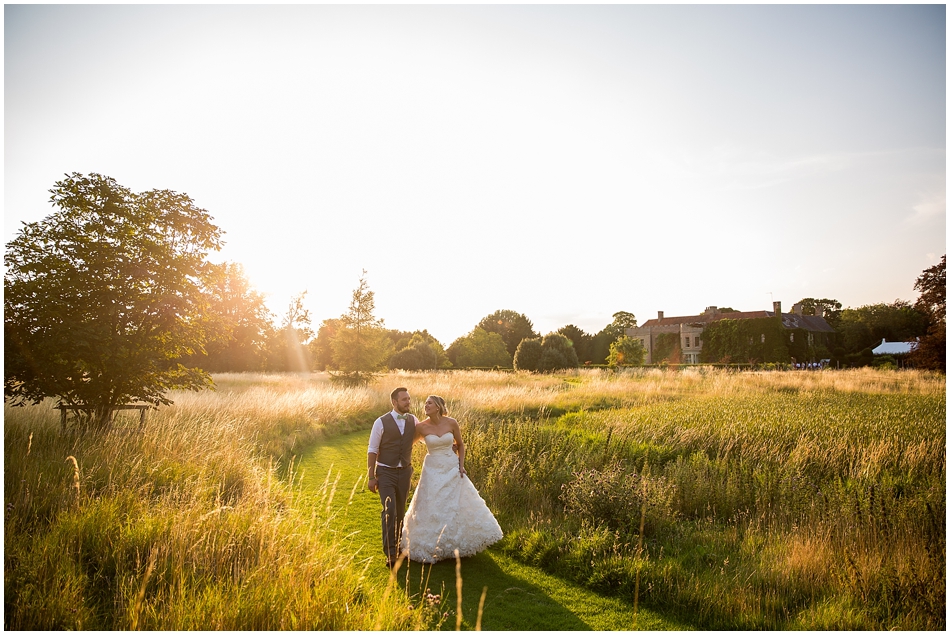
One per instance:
(680, 339)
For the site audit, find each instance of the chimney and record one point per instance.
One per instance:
(820, 311)
(777, 308)
(797, 308)
(659, 315)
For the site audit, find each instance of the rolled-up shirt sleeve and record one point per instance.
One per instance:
(375, 437)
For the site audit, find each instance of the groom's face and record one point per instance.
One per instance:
(401, 402)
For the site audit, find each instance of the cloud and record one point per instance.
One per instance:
(929, 206)
(733, 168)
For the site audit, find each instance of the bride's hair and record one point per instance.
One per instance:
(440, 402)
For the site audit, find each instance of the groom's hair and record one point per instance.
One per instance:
(396, 392)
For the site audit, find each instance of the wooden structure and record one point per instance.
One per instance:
(63, 409)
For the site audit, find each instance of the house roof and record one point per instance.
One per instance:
(706, 318)
(789, 320)
(807, 322)
(893, 348)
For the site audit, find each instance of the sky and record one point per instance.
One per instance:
(563, 162)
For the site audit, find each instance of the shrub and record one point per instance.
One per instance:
(418, 356)
(557, 353)
(626, 351)
(552, 360)
(528, 354)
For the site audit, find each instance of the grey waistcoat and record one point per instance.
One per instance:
(395, 447)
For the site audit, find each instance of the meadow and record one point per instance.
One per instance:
(773, 500)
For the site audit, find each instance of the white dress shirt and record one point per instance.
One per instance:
(377, 435)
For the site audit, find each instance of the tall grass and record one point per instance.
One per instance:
(185, 525)
(772, 500)
(784, 500)
(283, 413)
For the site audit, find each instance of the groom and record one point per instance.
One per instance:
(389, 468)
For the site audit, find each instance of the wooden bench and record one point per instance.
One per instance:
(140, 407)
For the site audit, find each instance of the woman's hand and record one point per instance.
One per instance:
(462, 471)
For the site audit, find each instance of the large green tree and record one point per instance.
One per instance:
(361, 346)
(480, 349)
(321, 348)
(831, 309)
(582, 341)
(932, 284)
(622, 321)
(103, 298)
(600, 343)
(512, 326)
(931, 351)
(237, 321)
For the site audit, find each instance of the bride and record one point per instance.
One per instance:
(446, 512)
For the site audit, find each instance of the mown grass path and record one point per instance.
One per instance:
(518, 597)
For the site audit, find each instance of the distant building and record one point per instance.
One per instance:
(682, 337)
(894, 348)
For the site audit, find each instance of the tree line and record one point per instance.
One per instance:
(111, 299)
(357, 343)
(507, 339)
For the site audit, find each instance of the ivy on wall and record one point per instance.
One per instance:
(740, 341)
(801, 350)
(666, 348)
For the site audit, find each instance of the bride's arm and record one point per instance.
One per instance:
(418, 433)
(457, 433)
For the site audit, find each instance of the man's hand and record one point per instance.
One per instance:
(371, 481)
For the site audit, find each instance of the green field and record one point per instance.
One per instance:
(517, 596)
(801, 500)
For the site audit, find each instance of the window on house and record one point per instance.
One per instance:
(763, 338)
(687, 341)
(791, 337)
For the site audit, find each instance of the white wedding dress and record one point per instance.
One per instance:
(446, 512)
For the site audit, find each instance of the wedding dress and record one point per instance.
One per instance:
(446, 512)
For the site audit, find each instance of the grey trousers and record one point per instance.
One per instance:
(393, 491)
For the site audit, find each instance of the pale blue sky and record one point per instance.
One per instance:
(566, 162)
